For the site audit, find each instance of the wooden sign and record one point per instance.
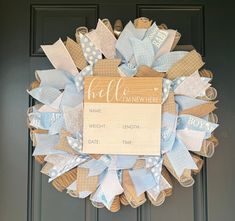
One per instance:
(122, 115)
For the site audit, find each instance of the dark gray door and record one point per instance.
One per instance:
(24, 25)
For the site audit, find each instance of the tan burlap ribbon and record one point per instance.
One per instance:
(214, 140)
(63, 181)
(212, 117)
(76, 52)
(145, 71)
(186, 66)
(40, 159)
(163, 26)
(97, 204)
(107, 67)
(63, 142)
(34, 85)
(129, 191)
(116, 205)
(198, 161)
(169, 105)
(96, 156)
(140, 163)
(200, 110)
(85, 182)
(46, 168)
(142, 22)
(159, 200)
(206, 73)
(123, 200)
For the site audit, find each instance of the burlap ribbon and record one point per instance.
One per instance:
(34, 85)
(200, 110)
(186, 66)
(206, 73)
(140, 163)
(106, 67)
(116, 205)
(63, 143)
(145, 71)
(76, 52)
(198, 161)
(40, 159)
(160, 199)
(169, 105)
(63, 181)
(142, 22)
(46, 168)
(85, 182)
(129, 191)
(123, 200)
(213, 118)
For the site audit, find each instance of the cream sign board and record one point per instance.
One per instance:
(122, 115)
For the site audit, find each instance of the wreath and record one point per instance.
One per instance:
(141, 50)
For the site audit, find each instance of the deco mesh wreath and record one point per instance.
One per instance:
(143, 52)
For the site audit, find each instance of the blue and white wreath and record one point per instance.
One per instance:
(56, 120)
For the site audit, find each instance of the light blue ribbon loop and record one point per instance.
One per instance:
(176, 82)
(45, 145)
(45, 95)
(71, 96)
(126, 70)
(186, 102)
(125, 162)
(123, 44)
(168, 131)
(96, 167)
(54, 78)
(142, 180)
(167, 60)
(180, 158)
(57, 125)
(43, 120)
(143, 51)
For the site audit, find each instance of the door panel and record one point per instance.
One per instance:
(220, 53)
(27, 24)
